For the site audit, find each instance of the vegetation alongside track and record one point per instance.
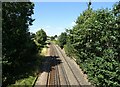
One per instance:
(30, 80)
(21, 60)
(95, 43)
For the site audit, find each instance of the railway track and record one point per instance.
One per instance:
(72, 70)
(53, 75)
(61, 73)
(66, 81)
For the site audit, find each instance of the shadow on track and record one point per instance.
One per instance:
(49, 62)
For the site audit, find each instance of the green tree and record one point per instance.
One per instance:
(55, 36)
(95, 43)
(62, 39)
(41, 37)
(52, 38)
(16, 18)
(116, 27)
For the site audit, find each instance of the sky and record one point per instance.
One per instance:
(54, 17)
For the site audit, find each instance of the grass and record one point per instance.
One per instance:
(44, 51)
(55, 41)
(26, 81)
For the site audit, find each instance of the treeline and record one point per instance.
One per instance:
(95, 44)
(19, 46)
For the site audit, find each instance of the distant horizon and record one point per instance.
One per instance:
(54, 17)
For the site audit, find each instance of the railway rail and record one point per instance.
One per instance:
(65, 77)
(53, 75)
(54, 78)
(62, 72)
(72, 70)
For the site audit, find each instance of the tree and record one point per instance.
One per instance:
(116, 27)
(52, 38)
(16, 18)
(62, 39)
(55, 36)
(95, 43)
(41, 37)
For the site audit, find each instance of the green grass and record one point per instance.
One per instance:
(44, 51)
(26, 81)
(54, 41)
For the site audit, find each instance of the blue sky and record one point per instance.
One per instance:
(54, 17)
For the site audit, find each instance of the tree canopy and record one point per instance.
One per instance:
(62, 39)
(41, 36)
(95, 43)
(18, 46)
